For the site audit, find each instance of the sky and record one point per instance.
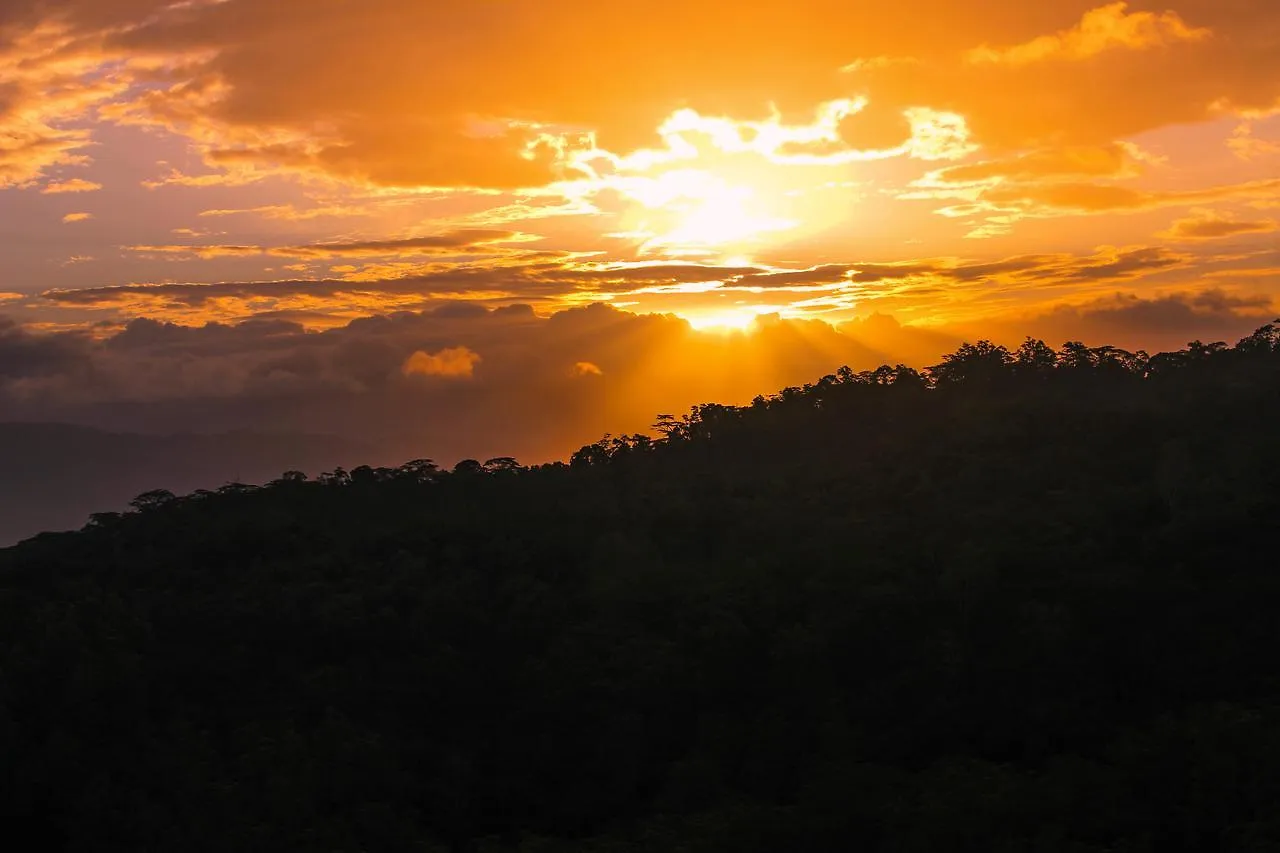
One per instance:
(418, 217)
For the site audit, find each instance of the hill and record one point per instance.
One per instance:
(1020, 601)
(52, 476)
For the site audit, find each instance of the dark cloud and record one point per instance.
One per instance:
(26, 355)
(522, 391)
(825, 274)
(1211, 226)
(454, 280)
(653, 273)
(1154, 323)
(1010, 266)
(890, 272)
(468, 240)
(510, 281)
(522, 282)
(396, 381)
(1127, 264)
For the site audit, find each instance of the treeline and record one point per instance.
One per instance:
(1021, 600)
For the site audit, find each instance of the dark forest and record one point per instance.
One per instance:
(1018, 601)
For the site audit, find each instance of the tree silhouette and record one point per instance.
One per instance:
(983, 363)
(152, 500)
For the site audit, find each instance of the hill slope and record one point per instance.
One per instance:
(1025, 602)
(52, 476)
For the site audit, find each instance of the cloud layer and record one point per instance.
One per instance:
(465, 381)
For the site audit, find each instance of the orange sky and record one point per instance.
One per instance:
(980, 168)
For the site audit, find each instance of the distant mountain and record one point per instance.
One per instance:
(52, 476)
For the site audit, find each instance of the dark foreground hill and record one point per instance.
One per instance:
(1025, 602)
(52, 476)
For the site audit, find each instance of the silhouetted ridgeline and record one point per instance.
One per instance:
(53, 475)
(1023, 601)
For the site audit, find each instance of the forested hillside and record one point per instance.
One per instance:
(1020, 601)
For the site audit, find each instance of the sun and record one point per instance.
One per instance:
(696, 212)
(716, 217)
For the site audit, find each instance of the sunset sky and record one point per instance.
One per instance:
(910, 173)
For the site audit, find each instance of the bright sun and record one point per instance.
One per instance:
(695, 212)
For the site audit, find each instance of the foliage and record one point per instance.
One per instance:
(1018, 601)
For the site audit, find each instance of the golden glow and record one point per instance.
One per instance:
(738, 319)
(695, 212)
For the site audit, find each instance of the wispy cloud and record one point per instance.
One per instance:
(75, 185)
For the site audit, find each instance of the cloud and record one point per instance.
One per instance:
(1114, 75)
(1165, 321)
(1120, 264)
(205, 252)
(466, 241)
(1116, 159)
(47, 81)
(467, 97)
(1002, 204)
(75, 185)
(25, 355)
(1212, 225)
(291, 213)
(473, 241)
(452, 363)
(1246, 146)
(77, 217)
(933, 288)
(1105, 28)
(410, 383)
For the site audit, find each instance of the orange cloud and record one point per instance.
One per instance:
(1246, 146)
(455, 242)
(291, 213)
(1113, 160)
(453, 363)
(1105, 28)
(1100, 198)
(586, 368)
(75, 185)
(461, 242)
(466, 97)
(205, 252)
(77, 217)
(1210, 225)
(47, 80)
(932, 289)
(999, 206)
